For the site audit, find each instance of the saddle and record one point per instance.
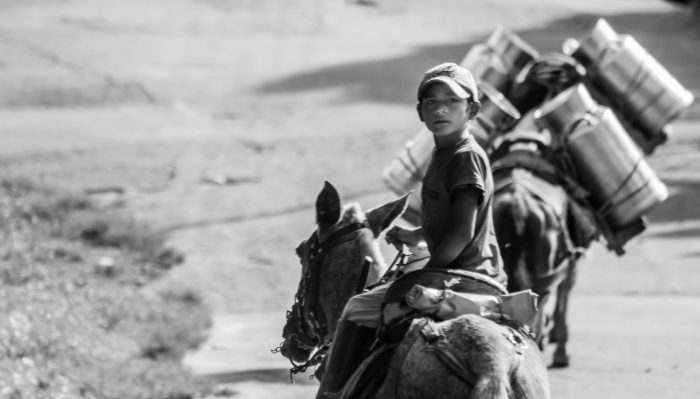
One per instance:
(548, 181)
(396, 334)
(396, 314)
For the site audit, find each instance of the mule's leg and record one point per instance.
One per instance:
(561, 328)
(544, 321)
(541, 261)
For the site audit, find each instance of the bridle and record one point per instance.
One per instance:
(306, 320)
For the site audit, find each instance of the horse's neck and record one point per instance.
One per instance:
(378, 266)
(342, 273)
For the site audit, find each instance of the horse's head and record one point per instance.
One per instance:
(338, 260)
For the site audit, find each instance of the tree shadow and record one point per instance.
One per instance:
(671, 37)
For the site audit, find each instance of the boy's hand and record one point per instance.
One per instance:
(399, 235)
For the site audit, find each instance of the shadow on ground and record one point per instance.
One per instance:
(693, 254)
(281, 376)
(681, 206)
(393, 80)
(687, 233)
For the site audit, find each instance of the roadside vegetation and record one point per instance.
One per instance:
(75, 322)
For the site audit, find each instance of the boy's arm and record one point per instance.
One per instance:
(398, 235)
(461, 230)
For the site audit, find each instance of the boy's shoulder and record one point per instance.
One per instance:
(471, 152)
(470, 145)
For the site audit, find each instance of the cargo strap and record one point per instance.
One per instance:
(527, 160)
(545, 282)
(540, 167)
(391, 383)
(437, 343)
(608, 206)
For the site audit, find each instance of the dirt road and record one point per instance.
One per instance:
(220, 120)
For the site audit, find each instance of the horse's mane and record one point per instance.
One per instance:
(352, 213)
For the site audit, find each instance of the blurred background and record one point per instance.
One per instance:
(217, 122)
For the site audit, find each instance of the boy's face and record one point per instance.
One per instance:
(442, 111)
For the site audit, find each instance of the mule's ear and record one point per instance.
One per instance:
(327, 207)
(381, 217)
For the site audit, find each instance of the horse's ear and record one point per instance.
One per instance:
(381, 217)
(327, 207)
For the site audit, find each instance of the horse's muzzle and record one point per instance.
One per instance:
(292, 350)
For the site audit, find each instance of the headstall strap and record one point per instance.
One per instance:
(315, 359)
(335, 238)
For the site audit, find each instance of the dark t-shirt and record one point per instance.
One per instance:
(452, 168)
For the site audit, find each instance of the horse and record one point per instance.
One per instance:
(533, 216)
(467, 356)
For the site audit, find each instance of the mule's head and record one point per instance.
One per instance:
(337, 261)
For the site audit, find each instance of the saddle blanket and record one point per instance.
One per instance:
(552, 194)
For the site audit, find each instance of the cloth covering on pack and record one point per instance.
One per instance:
(445, 304)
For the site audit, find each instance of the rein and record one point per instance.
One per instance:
(394, 267)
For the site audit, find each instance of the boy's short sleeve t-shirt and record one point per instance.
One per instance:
(463, 165)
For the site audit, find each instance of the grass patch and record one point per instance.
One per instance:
(75, 321)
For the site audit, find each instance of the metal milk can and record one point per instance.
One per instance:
(605, 159)
(496, 116)
(632, 81)
(622, 185)
(498, 60)
(560, 112)
(406, 172)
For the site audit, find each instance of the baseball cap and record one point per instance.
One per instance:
(457, 78)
